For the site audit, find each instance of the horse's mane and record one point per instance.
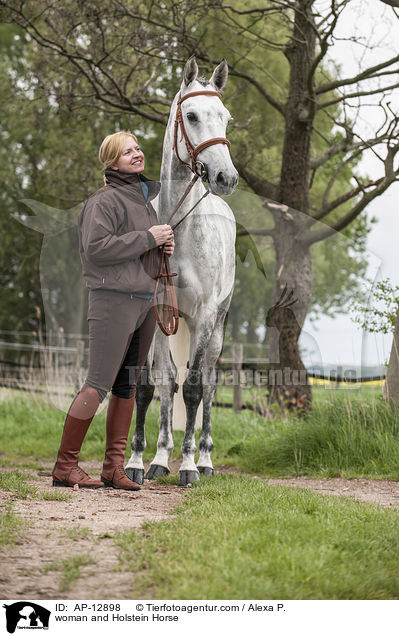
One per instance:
(205, 82)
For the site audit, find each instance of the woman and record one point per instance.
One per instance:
(119, 241)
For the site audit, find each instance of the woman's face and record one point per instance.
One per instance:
(131, 159)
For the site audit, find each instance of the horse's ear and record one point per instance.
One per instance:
(190, 70)
(219, 76)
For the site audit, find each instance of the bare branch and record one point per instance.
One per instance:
(381, 185)
(255, 232)
(358, 148)
(262, 11)
(392, 3)
(347, 196)
(92, 71)
(251, 80)
(259, 185)
(333, 150)
(324, 43)
(345, 97)
(368, 73)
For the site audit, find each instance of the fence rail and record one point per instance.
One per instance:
(60, 365)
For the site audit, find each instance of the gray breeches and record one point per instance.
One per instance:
(121, 327)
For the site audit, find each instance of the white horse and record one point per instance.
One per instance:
(204, 261)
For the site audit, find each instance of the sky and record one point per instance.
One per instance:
(339, 341)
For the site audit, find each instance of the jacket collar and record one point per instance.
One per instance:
(119, 179)
(153, 187)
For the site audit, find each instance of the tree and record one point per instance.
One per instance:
(48, 155)
(381, 315)
(102, 54)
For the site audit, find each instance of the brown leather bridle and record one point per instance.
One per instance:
(170, 312)
(193, 151)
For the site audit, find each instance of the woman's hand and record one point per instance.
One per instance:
(169, 247)
(162, 234)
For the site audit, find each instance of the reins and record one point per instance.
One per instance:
(170, 312)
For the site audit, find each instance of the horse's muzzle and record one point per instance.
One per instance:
(224, 182)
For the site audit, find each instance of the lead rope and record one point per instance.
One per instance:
(170, 314)
(170, 321)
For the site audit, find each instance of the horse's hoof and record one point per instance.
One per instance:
(188, 477)
(135, 474)
(205, 471)
(155, 471)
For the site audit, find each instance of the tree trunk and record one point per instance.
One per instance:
(288, 379)
(293, 259)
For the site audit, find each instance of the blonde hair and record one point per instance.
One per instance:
(112, 147)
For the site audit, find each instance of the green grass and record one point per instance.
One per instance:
(55, 495)
(343, 437)
(238, 538)
(15, 482)
(77, 533)
(320, 393)
(69, 568)
(350, 432)
(33, 430)
(169, 480)
(235, 537)
(11, 527)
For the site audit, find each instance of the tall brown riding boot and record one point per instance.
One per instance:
(119, 417)
(66, 471)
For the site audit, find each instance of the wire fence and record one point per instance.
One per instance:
(57, 366)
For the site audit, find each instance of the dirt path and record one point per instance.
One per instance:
(384, 493)
(82, 525)
(85, 524)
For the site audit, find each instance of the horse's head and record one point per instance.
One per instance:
(204, 119)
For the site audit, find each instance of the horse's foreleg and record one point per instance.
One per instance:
(165, 367)
(144, 394)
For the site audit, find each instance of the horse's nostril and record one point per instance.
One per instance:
(221, 179)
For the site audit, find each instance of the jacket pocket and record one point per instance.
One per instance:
(150, 261)
(113, 272)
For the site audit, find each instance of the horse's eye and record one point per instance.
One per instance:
(192, 117)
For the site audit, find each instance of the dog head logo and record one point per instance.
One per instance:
(26, 615)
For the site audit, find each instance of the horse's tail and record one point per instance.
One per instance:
(180, 350)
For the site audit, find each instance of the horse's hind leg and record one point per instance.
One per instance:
(201, 334)
(144, 394)
(204, 464)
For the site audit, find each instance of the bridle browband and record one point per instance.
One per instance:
(170, 312)
(192, 150)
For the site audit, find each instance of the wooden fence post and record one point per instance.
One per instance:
(80, 350)
(237, 366)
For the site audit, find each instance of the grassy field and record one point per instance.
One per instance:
(236, 537)
(347, 434)
(351, 433)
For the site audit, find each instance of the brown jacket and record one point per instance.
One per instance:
(116, 249)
